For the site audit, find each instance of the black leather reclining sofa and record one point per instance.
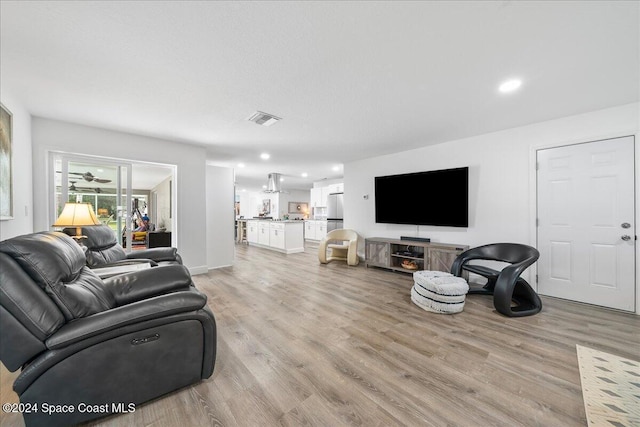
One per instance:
(83, 341)
(103, 250)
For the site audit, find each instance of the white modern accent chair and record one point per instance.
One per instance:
(339, 245)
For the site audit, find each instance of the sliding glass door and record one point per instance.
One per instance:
(105, 184)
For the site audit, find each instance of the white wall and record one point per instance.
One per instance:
(22, 222)
(220, 217)
(327, 182)
(501, 178)
(292, 196)
(51, 135)
(251, 202)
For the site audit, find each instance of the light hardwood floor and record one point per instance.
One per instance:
(301, 343)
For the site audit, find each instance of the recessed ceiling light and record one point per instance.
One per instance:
(304, 174)
(240, 165)
(264, 156)
(335, 168)
(510, 85)
(281, 179)
(264, 187)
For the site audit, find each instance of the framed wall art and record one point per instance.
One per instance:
(6, 173)
(298, 207)
(266, 206)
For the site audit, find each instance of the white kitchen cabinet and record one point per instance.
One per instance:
(263, 232)
(315, 230)
(321, 230)
(277, 235)
(310, 230)
(315, 197)
(281, 236)
(318, 197)
(324, 193)
(252, 231)
(336, 188)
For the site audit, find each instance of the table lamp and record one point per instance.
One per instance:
(77, 215)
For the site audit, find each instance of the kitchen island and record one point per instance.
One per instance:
(285, 236)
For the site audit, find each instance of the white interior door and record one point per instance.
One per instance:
(586, 230)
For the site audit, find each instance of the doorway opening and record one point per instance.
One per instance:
(120, 191)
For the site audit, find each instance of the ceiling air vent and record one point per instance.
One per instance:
(263, 119)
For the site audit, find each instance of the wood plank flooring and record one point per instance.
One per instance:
(300, 343)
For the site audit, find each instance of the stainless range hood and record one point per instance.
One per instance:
(273, 184)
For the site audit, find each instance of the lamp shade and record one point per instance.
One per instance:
(77, 215)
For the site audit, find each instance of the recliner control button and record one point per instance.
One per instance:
(137, 341)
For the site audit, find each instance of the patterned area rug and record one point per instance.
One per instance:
(610, 388)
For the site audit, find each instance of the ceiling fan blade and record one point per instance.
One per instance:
(89, 177)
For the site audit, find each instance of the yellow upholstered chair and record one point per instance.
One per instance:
(339, 245)
(138, 236)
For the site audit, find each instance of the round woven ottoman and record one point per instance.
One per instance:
(439, 292)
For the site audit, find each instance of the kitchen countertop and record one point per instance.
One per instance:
(271, 220)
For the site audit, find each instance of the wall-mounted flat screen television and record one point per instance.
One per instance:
(439, 197)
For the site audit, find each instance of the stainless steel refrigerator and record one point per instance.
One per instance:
(334, 211)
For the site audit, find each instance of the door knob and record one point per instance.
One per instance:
(625, 225)
(626, 237)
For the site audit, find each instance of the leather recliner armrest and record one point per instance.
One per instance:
(128, 261)
(137, 285)
(152, 308)
(156, 254)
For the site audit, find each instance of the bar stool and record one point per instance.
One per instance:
(241, 231)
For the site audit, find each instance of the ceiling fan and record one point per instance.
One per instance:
(89, 177)
(98, 190)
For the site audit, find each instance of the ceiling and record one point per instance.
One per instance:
(350, 79)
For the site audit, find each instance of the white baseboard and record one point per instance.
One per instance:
(218, 266)
(201, 269)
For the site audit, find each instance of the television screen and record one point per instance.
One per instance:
(438, 197)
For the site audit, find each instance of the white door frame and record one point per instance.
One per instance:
(533, 194)
(50, 182)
